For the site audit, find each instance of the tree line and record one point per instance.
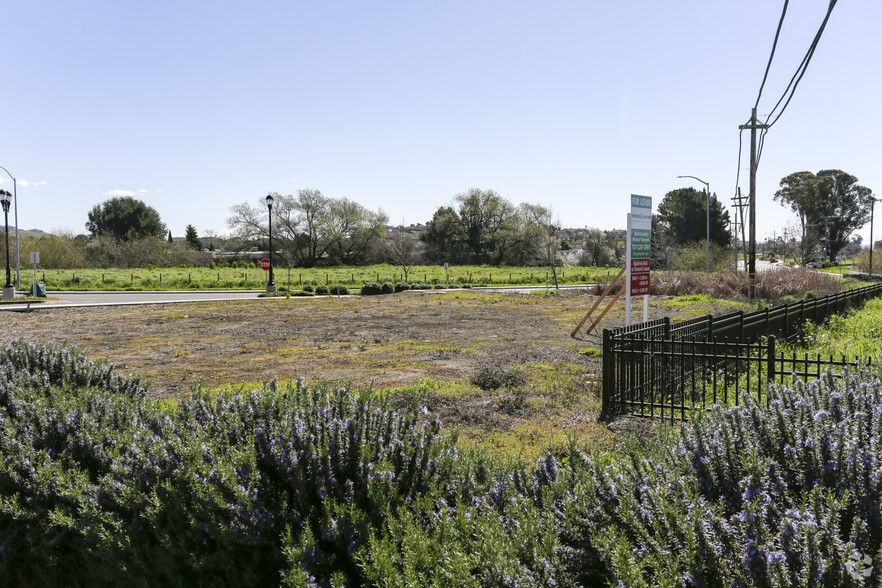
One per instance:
(479, 227)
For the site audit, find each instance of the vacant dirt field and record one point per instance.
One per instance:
(424, 344)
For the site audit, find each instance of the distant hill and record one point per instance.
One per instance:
(22, 231)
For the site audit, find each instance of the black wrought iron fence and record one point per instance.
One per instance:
(665, 369)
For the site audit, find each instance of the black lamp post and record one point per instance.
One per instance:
(271, 284)
(8, 290)
(872, 204)
(17, 256)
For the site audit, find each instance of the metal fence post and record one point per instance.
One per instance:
(608, 370)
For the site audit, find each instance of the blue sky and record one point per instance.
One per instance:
(194, 107)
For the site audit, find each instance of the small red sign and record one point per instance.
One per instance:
(265, 264)
(639, 277)
(640, 266)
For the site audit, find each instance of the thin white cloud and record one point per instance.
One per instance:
(25, 183)
(118, 193)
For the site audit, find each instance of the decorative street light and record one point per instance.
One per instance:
(17, 256)
(271, 284)
(707, 188)
(872, 204)
(8, 290)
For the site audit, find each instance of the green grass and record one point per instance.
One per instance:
(857, 334)
(295, 278)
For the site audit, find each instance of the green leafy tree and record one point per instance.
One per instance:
(444, 237)
(682, 214)
(532, 232)
(125, 219)
(597, 250)
(830, 206)
(192, 238)
(352, 229)
(490, 225)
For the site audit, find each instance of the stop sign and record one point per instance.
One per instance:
(265, 264)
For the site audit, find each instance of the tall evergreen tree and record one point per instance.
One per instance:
(192, 238)
(682, 214)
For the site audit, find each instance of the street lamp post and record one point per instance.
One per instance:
(271, 284)
(872, 203)
(17, 255)
(8, 290)
(707, 240)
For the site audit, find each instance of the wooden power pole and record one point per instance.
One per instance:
(751, 249)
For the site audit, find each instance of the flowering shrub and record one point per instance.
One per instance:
(784, 495)
(308, 486)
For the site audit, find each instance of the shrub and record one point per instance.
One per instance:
(308, 288)
(402, 286)
(387, 288)
(493, 377)
(771, 285)
(371, 289)
(340, 290)
(420, 286)
(330, 487)
(322, 289)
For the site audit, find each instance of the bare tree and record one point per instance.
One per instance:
(549, 241)
(403, 250)
(309, 227)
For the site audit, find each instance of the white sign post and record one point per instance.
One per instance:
(639, 253)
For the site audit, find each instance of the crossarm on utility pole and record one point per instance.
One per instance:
(597, 303)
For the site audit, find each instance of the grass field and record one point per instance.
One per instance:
(295, 278)
(502, 368)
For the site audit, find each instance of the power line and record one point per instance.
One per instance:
(800, 71)
(772, 55)
(754, 126)
(790, 90)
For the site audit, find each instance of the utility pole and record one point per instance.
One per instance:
(751, 251)
(738, 202)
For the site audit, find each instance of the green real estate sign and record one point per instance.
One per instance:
(639, 245)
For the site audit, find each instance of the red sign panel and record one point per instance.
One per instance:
(265, 264)
(640, 266)
(639, 277)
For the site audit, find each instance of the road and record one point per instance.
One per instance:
(104, 298)
(70, 299)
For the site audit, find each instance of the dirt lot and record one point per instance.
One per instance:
(421, 343)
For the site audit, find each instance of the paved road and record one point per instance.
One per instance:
(73, 299)
(69, 299)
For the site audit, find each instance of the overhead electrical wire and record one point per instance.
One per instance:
(772, 55)
(789, 91)
(800, 71)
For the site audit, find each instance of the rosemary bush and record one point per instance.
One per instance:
(311, 486)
